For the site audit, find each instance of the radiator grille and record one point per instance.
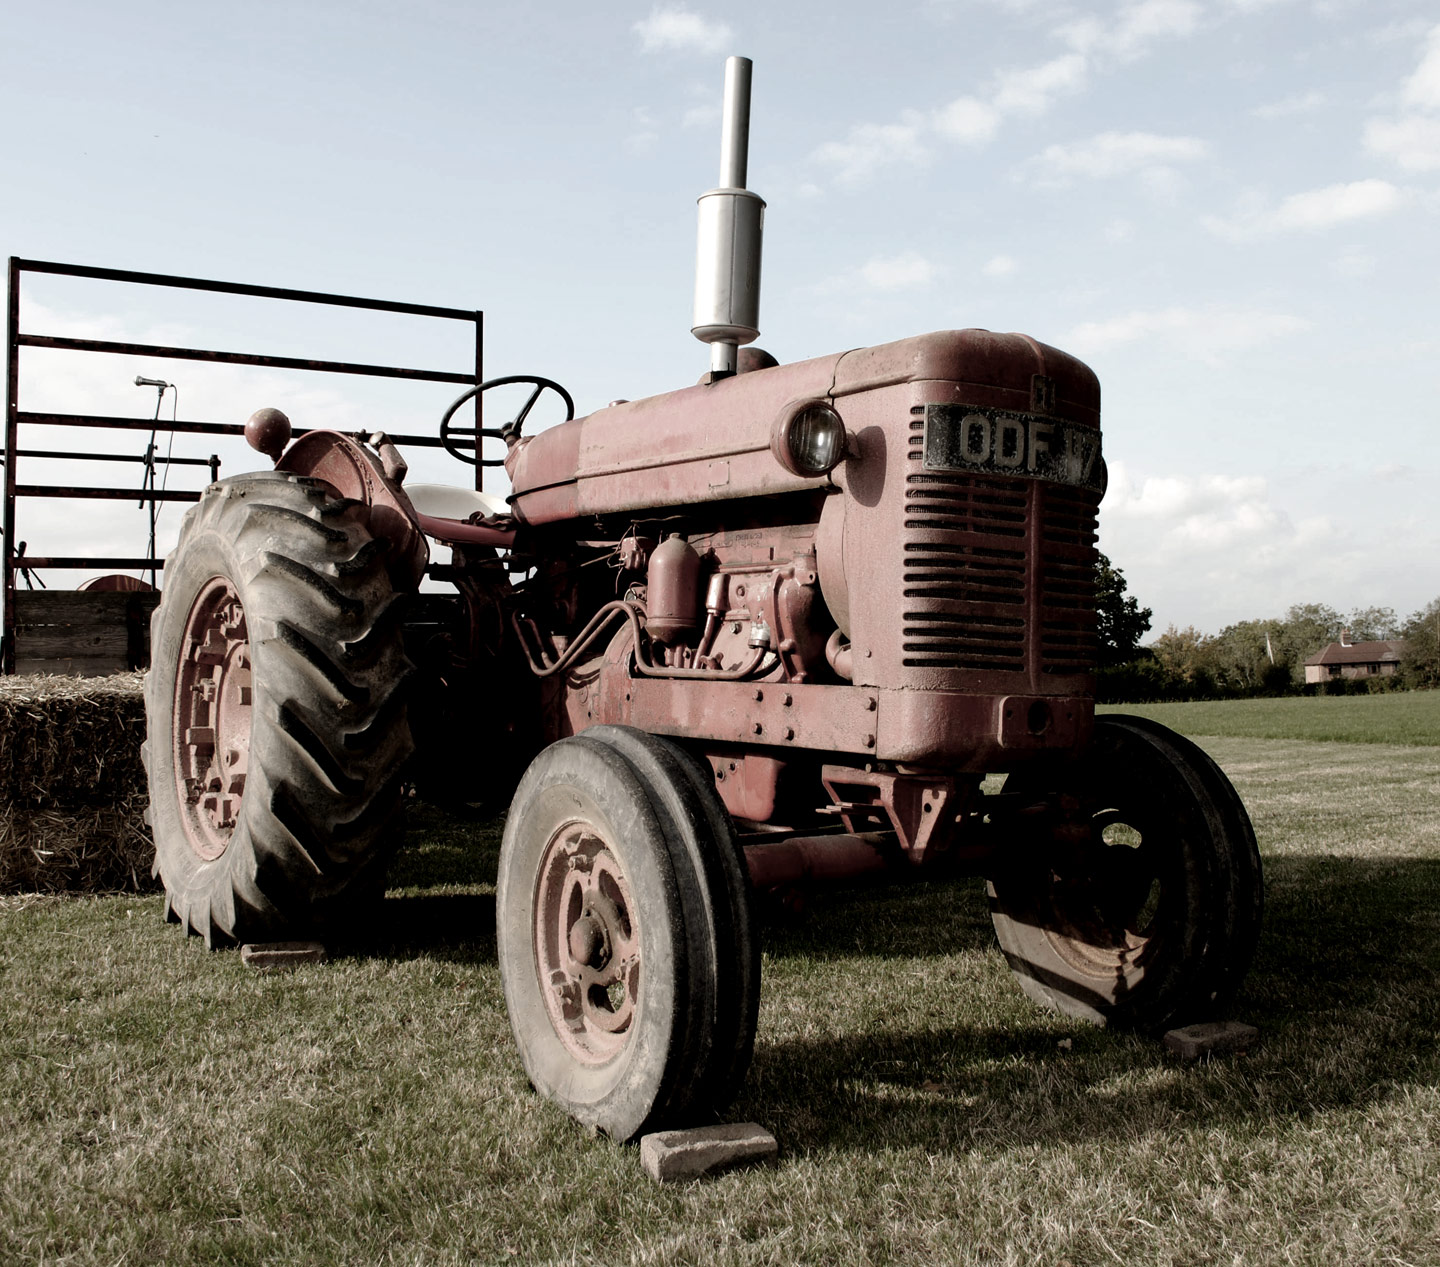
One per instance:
(1067, 578)
(967, 579)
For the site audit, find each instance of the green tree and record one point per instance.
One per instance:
(1243, 655)
(1186, 655)
(1373, 624)
(1420, 661)
(1120, 622)
(1305, 629)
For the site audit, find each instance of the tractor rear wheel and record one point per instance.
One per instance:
(1148, 915)
(275, 703)
(626, 942)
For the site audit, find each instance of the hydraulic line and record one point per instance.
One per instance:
(605, 617)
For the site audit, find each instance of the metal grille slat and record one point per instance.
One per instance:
(967, 572)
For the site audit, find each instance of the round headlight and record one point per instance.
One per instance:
(809, 438)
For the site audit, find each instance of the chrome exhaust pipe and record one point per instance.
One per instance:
(727, 269)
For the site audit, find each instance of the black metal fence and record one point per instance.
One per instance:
(16, 556)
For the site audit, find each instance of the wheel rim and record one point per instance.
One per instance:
(1110, 913)
(587, 945)
(213, 692)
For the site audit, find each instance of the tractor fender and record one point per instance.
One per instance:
(353, 471)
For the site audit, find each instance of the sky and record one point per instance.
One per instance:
(1227, 208)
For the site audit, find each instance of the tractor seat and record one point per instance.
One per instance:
(443, 511)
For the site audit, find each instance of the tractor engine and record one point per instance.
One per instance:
(875, 567)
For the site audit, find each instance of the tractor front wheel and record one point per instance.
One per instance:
(626, 941)
(1143, 910)
(275, 708)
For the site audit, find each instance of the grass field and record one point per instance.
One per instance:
(158, 1103)
(1401, 717)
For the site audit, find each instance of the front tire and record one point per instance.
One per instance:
(625, 936)
(1150, 918)
(275, 705)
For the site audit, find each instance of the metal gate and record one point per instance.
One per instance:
(20, 561)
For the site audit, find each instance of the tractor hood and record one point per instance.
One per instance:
(711, 442)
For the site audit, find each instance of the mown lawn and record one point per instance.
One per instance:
(158, 1103)
(1399, 717)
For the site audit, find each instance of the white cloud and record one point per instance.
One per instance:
(871, 146)
(1140, 25)
(999, 266)
(679, 30)
(1412, 142)
(1335, 204)
(1135, 28)
(1176, 535)
(1202, 547)
(1033, 90)
(899, 272)
(975, 118)
(1112, 154)
(966, 120)
(1207, 510)
(1208, 335)
(1300, 103)
(1310, 211)
(1422, 89)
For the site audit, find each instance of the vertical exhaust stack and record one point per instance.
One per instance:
(727, 270)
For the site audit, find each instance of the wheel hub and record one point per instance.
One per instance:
(211, 718)
(1108, 902)
(587, 944)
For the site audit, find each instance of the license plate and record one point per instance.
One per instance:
(999, 442)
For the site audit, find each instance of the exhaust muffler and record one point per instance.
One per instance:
(732, 218)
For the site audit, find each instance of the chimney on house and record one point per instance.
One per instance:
(1345, 638)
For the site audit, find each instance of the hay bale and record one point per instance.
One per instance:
(72, 786)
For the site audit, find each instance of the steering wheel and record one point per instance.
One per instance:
(468, 451)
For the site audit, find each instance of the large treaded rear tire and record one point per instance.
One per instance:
(276, 652)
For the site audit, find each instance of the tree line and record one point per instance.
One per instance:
(1252, 657)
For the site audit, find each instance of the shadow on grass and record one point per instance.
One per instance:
(454, 926)
(1345, 990)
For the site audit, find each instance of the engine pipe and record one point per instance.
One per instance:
(799, 858)
(732, 218)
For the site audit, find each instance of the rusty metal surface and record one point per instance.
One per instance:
(798, 859)
(353, 472)
(702, 443)
(919, 808)
(210, 727)
(712, 441)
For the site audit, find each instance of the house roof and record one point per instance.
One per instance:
(1360, 653)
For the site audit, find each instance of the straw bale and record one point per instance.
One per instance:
(72, 786)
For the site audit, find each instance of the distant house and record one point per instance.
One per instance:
(1354, 659)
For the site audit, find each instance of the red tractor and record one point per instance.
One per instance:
(775, 626)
